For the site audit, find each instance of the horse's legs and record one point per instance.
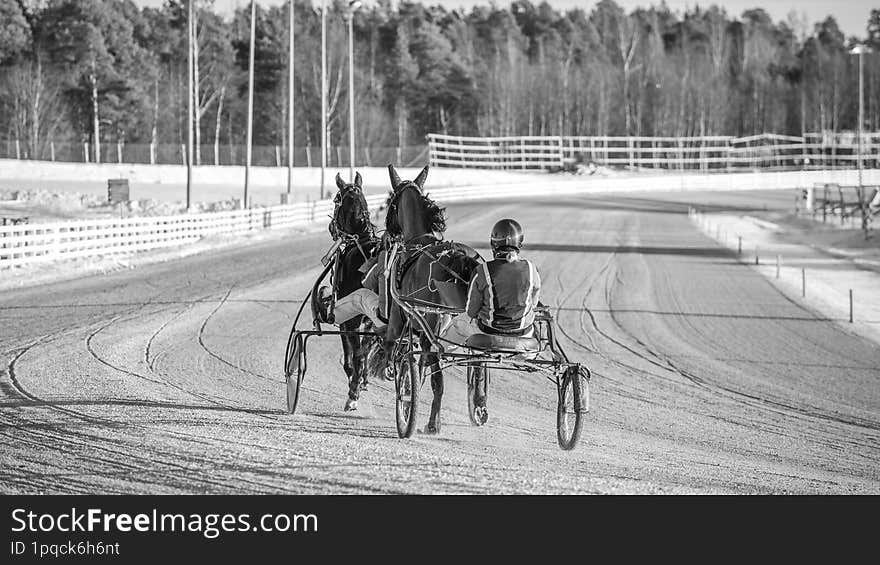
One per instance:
(432, 363)
(350, 353)
(392, 333)
(363, 344)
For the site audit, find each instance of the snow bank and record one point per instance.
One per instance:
(828, 279)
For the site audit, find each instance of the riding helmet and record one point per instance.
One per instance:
(506, 233)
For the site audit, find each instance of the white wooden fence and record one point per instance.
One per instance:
(813, 151)
(32, 243)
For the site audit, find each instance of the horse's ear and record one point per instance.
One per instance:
(358, 181)
(395, 178)
(339, 182)
(423, 176)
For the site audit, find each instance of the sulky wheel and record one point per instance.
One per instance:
(294, 373)
(406, 385)
(478, 385)
(573, 404)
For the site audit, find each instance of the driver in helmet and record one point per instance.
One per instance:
(503, 292)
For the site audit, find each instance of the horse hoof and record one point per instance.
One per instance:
(481, 415)
(363, 386)
(351, 405)
(430, 430)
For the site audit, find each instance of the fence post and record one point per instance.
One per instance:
(803, 282)
(561, 154)
(182, 154)
(277, 156)
(850, 307)
(680, 154)
(17, 149)
(52, 149)
(118, 152)
(398, 156)
(309, 156)
(152, 153)
(629, 145)
(85, 151)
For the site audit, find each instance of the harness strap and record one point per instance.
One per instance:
(444, 267)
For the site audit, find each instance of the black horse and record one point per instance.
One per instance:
(417, 222)
(351, 223)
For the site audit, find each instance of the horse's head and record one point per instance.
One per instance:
(351, 215)
(411, 212)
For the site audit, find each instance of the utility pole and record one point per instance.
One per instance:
(189, 103)
(290, 102)
(250, 114)
(353, 5)
(323, 94)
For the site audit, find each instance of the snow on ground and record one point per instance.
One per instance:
(829, 273)
(58, 191)
(161, 183)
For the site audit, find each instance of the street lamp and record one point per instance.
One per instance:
(353, 6)
(860, 50)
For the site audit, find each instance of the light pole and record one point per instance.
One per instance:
(860, 50)
(353, 6)
(290, 102)
(323, 94)
(250, 114)
(189, 103)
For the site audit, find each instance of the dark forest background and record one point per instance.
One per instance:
(517, 69)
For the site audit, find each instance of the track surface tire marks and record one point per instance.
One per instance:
(167, 379)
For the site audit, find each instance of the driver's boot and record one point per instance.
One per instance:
(325, 298)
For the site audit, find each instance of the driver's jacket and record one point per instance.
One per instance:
(503, 294)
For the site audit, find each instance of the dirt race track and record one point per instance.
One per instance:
(168, 378)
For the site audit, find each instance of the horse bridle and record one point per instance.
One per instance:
(365, 214)
(345, 236)
(392, 206)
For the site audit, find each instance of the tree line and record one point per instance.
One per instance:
(74, 70)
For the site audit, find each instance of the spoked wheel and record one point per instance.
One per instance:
(573, 404)
(406, 384)
(294, 372)
(478, 415)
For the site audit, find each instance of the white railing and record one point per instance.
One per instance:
(813, 151)
(32, 243)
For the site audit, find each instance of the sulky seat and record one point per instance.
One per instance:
(503, 343)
